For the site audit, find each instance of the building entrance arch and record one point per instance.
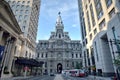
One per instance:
(59, 68)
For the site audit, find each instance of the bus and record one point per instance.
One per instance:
(77, 72)
(65, 72)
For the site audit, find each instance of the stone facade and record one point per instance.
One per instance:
(59, 52)
(9, 37)
(27, 13)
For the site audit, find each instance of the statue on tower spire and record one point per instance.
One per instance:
(59, 13)
(59, 19)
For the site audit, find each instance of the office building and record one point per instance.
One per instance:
(9, 35)
(27, 14)
(98, 29)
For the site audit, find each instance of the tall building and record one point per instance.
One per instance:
(27, 14)
(9, 35)
(59, 52)
(98, 29)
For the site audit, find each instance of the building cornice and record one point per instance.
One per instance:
(15, 26)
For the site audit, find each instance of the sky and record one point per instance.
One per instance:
(48, 15)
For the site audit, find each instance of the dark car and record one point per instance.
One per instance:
(45, 73)
(52, 74)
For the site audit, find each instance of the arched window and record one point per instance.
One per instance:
(38, 55)
(46, 55)
(42, 55)
(26, 54)
(72, 55)
(59, 36)
(76, 55)
(30, 55)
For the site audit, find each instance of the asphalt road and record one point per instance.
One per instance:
(47, 77)
(74, 78)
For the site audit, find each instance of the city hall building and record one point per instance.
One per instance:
(59, 52)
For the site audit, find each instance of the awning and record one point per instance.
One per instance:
(28, 62)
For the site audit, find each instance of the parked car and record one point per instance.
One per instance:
(45, 73)
(52, 74)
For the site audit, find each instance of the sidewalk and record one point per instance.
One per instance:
(17, 78)
(90, 77)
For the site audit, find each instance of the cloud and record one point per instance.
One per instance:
(52, 7)
(49, 13)
(74, 25)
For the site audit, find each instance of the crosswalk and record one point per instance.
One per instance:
(58, 77)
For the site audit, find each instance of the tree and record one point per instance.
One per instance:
(78, 65)
(117, 61)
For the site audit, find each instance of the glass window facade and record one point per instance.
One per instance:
(98, 9)
(92, 16)
(90, 36)
(95, 31)
(108, 3)
(102, 24)
(89, 26)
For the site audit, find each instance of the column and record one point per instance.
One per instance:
(3, 63)
(11, 54)
(1, 34)
(23, 48)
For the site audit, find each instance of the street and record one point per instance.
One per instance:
(74, 78)
(56, 77)
(43, 78)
